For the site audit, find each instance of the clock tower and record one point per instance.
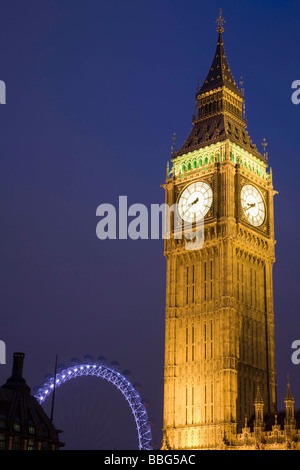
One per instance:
(219, 327)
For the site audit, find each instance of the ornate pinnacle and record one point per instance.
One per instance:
(243, 93)
(242, 86)
(258, 398)
(289, 396)
(264, 144)
(220, 21)
(174, 143)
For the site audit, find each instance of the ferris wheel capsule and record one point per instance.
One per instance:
(145, 402)
(75, 361)
(88, 358)
(102, 360)
(137, 386)
(115, 365)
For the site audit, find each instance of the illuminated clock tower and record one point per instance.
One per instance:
(219, 331)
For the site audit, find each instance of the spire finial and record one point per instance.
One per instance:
(289, 392)
(173, 148)
(220, 21)
(243, 93)
(258, 398)
(264, 144)
(242, 86)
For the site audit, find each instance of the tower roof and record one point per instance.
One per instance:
(220, 108)
(219, 73)
(258, 399)
(289, 397)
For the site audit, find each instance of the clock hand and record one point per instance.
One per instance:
(250, 205)
(192, 203)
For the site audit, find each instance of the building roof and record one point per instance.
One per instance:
(220, 123)
(216, 129)
(219, 73)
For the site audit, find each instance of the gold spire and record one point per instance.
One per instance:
(220, 22)
(289, 397)
(243, 93)
(173, 148)
(242, 86)
(264, 144)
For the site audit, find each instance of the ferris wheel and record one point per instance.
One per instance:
(110, 373)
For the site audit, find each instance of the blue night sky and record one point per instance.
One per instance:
(95, 91)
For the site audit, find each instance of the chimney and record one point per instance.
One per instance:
(17, 370)
(16, 381)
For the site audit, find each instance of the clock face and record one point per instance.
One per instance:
(253, 205)
(195, 201)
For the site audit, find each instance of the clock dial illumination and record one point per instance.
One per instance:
(195, 201)
(253, 205)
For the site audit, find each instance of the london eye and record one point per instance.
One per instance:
(110, 373)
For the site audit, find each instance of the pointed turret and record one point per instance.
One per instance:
(289, 406)
(259, 408)
(289, 421)
(219, 113)
(220, 74)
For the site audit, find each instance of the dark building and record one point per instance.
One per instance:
(23, 423)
